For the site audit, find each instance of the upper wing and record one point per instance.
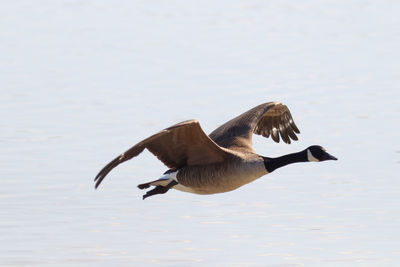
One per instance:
(269, 119)
(182, 144)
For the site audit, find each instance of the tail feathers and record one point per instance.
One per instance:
(161, 181)
(144, 186)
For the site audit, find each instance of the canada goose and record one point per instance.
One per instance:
(222, 161)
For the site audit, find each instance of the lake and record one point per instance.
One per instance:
(82, 81)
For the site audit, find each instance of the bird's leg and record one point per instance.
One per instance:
(159, 189)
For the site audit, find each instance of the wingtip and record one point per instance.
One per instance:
(295, 128)
(98, 180)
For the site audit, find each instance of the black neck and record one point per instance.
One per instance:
(272, 164)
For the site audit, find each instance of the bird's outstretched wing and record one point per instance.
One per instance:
(182, 144)
(269, 119)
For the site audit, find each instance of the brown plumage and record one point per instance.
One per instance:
(220, 162)
(269, 119)
(182, 144)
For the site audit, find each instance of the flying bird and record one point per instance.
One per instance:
(225, 159)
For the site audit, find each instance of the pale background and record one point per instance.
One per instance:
(81, 81)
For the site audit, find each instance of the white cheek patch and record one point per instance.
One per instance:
(310, 156)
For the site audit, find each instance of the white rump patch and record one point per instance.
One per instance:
(169, 177)
(165, 179)
(310, 156)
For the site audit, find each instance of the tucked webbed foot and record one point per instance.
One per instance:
(159, 189)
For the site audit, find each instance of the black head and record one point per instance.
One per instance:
(318, 153)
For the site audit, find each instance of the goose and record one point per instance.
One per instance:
(222, 161)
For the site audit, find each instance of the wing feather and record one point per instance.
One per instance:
(272, 119)
(182, 144)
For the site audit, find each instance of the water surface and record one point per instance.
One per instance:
(81, 81)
